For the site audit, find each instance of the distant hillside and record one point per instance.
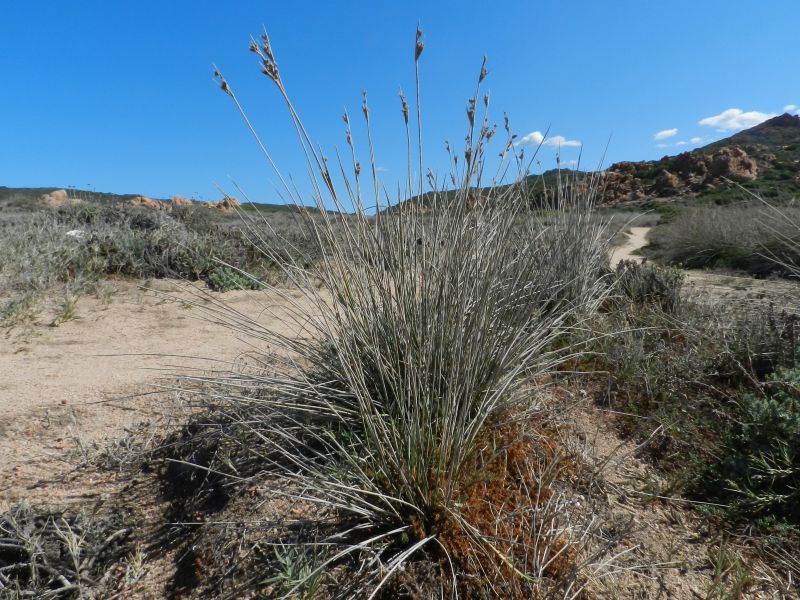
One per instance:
(764, 159)
(22, 198)
(11, 196)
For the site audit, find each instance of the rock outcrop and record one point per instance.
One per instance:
(687, 174)
(181, 201)
(57, 198)
(732, 162)
(146, 202)
(227, 204)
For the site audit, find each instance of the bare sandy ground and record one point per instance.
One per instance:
(62, 388)
(637, 239)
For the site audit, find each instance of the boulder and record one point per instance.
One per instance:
(689, 164)
(228, 203)
(621, 185)
(181, 201)
(667, 184)
(146, 202)
(734, 162)
(55, 198)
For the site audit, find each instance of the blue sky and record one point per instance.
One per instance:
(119, 96)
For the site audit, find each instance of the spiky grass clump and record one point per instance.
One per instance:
(403, 407)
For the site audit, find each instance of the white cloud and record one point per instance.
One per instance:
(666, 133)
(790, 108)
(735, 118)
(536, 138)
(570, 163)
(662, 145)
(696, 140)
(532, 139)
(681, 143)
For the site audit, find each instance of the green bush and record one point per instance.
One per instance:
(761, 471)
(223, 279)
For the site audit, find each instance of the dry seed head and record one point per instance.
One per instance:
(484, 71)
(420, 45)
(471, 111)
(222, 83)
(270, 69)
(266, 47)
(404, 106)
(358, 169)
(486, 100)
(345, 118)
(364, 107)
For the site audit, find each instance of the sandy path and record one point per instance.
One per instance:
(637, 239)
(719, 287)
(71, 384)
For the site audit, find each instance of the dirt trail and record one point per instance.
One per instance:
(61, 387)
(637, 239)
(719, 287)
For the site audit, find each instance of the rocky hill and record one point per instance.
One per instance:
(764, 159)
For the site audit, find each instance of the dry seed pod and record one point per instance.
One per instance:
(404, 106)
(419, 46)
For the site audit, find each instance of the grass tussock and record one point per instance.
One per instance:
(402, 405)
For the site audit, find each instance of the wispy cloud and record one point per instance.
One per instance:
(696, 140)
(734, 119)
(662, 145)
(666, 133)
(681, 143)
(536, 138)
(791, 108)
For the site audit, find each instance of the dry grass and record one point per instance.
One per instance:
(403, 409)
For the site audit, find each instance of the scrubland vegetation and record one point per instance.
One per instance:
(405, 439)
(80, 248)
(750, 238)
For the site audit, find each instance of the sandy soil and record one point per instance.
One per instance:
(637, 239)
(62, 388)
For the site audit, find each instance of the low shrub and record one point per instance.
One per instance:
(646, 284)
(78, 245)
(51, 554)
(759, 475)
(732, 237)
